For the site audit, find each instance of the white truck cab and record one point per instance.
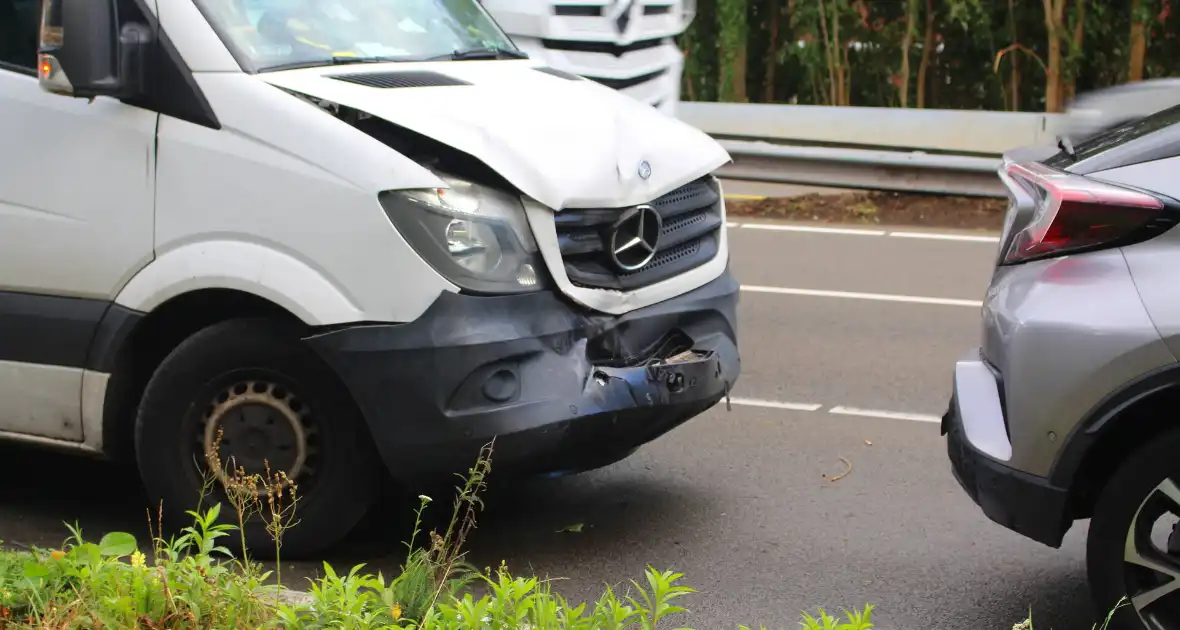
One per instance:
(340, 239)
(628, 45)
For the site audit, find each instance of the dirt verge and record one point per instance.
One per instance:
(968, 213)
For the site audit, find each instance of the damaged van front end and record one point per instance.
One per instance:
(518, 254)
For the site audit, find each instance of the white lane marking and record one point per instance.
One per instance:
(947, 237)
(877, 413)
(839, 410)
(812, 229)
(882, 297)
(732, 224)
(774, 404)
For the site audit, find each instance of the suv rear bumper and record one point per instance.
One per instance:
(976, 444)
(558, 388)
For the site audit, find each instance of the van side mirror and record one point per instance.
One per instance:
(83, 52)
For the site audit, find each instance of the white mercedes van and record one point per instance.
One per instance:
(342, 238)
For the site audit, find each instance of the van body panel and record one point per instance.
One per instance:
(41, 400)
(294, 217)
(76, 210)
(258, 269)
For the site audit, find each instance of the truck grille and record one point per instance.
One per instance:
(690, 236)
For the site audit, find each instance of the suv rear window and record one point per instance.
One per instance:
(1118, 136)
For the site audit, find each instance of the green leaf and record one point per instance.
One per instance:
(117, 545)
(35, 571)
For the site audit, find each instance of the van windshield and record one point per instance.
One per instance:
(281, 34)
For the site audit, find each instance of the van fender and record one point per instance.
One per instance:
(249, 267)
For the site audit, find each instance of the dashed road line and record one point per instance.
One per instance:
(838, 410)
(841, 410)
(774, 404)
(946, 237)
(812, 229)
(852, 295)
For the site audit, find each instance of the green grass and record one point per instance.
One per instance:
(193, 581)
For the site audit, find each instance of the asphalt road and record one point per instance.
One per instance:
(738, 500)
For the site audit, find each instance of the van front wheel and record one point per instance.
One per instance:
(245, 414)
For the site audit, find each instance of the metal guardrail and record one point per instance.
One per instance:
(904, 150)
(863, 169)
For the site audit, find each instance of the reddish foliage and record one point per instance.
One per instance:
(864, 13)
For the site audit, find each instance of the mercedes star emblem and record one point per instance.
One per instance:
(635, 237)
(644, 170)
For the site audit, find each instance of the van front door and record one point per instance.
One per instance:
(76, 221)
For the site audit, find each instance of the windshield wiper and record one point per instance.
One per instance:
(334, 61)
(481, 53)
(1066, 146)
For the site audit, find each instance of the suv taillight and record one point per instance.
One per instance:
(1073, 214)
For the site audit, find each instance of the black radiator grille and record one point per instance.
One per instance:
(690, 237)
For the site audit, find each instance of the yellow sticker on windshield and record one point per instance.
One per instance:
(304, 40)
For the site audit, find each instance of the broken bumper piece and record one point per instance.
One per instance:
(559, 389)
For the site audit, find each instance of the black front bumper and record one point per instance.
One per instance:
(1025, 504)
(559, 388)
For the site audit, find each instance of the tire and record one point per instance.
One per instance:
(256, 382)
(1111, 577)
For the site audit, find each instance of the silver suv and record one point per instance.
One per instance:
(1065, 411)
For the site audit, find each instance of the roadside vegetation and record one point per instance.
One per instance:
(204, 577)
(999, 55)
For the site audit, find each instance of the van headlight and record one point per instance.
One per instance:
(475, 236)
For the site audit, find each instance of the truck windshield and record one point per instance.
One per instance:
(281, 34)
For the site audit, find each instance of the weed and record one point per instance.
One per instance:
(196, 583)
(864, 209)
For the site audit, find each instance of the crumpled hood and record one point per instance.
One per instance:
(566, 143)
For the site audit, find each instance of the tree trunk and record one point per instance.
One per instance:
(738, 72)
(1014, 83)
(773, 13)
(840, 54)
(1014, 64)
(1054, 12)
(829, 53)
(911, 19)
(927, 50)
(1138, 43)
(732, 17)
(1079, 38)
(846, 72)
